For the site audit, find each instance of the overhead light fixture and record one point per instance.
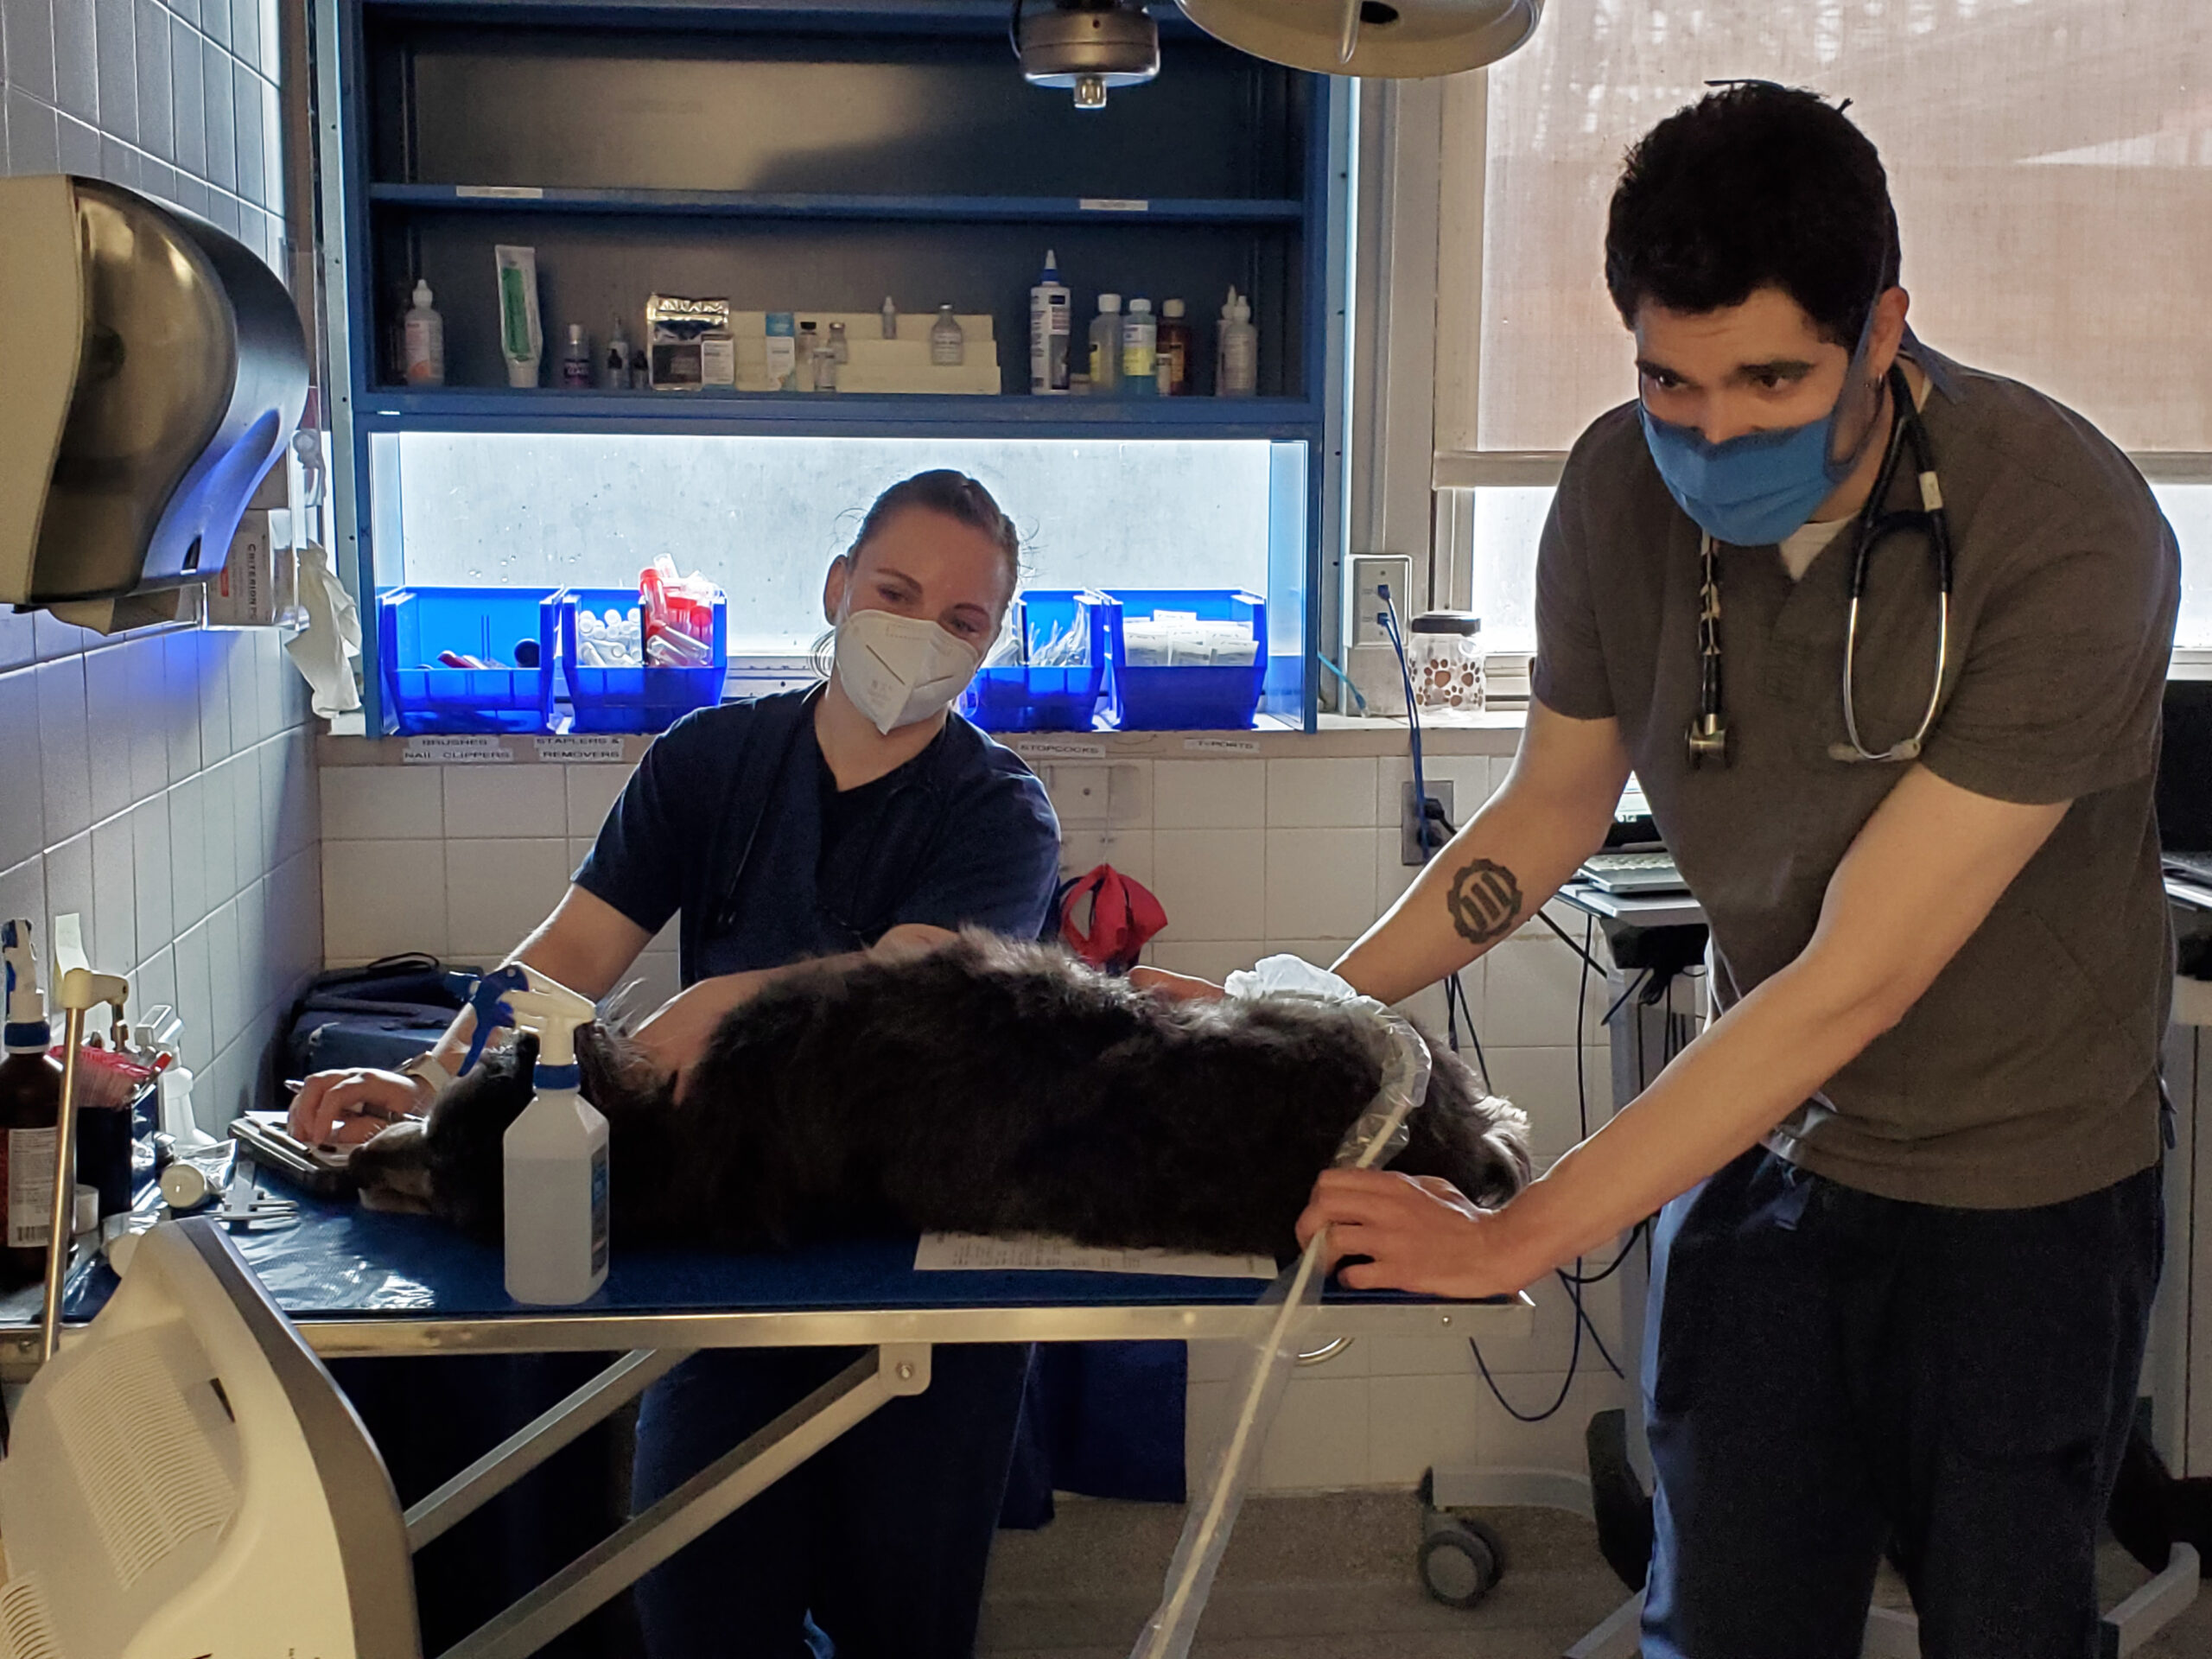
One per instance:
(1086, 47)
(1394, 39)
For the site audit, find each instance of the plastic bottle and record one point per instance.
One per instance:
(823, 365)
(1237, 370)
(1140, 352)
(1050, 319)
(425, 332)
(30, 1109)
(617, 374)
(890, 319)
(555, 1154)
(948, 341)
(1106, 348)
(576, 360)
(1174, 351)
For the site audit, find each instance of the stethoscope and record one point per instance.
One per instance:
(1708, 732)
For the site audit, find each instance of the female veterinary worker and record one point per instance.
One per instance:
(1912, 1220)
(858, 817)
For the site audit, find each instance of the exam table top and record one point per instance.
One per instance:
(360, 1282)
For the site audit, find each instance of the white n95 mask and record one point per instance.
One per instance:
(898, 669)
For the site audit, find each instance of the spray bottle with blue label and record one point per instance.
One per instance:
(556, 1151)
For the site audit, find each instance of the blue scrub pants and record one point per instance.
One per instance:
(875, 1547)
(1824, 1369)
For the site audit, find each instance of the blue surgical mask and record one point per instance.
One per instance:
(1762, 487)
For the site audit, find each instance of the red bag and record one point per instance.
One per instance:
(1123, 914)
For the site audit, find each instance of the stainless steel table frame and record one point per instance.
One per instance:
(897, 1343)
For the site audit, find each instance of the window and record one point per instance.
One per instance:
(2051, 164)
(763, 516)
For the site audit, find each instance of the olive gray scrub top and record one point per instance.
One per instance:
(2027, 1073)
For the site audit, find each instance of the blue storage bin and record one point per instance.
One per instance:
(635, 699)
(1169, 698)
(1017, 698)
(486, 623)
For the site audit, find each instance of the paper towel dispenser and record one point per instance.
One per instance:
(154, 370)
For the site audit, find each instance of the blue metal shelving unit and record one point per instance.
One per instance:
(372, 219)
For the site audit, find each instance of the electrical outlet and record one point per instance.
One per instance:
(1410, 850)
(1369, 571)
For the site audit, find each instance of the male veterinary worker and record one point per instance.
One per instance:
(860, 817)
(1911, 1223)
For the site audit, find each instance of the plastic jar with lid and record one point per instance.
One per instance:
(1446, 659)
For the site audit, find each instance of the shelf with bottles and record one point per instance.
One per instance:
(598, 269)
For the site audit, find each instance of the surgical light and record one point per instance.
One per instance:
(1086, 47)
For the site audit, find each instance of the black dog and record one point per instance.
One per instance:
(987, 1087)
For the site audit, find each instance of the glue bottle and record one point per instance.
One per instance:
(555, 1153)
(425, 334)
(30, 1110)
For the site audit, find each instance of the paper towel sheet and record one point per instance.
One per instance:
(964, 1252)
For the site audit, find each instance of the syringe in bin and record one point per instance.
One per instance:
(1182, 639)
(672, 628)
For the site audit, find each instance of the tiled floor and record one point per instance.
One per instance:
(1332, 1577)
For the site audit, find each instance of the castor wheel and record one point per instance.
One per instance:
(1461, 1561)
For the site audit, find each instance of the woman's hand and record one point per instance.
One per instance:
(343, 1108)
(677, 1033)
(1420, 1233)
(1176, 988)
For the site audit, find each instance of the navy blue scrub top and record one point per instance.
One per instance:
(724, 823)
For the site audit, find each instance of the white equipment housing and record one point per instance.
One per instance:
(186, 1478)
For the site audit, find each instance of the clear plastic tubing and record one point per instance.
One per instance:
(1377, 1138)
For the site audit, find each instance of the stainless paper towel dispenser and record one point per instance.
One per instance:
(151, 370)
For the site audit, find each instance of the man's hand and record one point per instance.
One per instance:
(1176, 988)
(343, 1108)
(1420, 1233)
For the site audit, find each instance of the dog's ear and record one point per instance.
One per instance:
(461, 1146)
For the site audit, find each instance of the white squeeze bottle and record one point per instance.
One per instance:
(555, 1156)
(1237, 367)
(1050, 318)
(426, 341)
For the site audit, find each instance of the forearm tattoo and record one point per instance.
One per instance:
(1485, 902)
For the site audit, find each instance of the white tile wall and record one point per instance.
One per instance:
(181, 826)
(1248, 857)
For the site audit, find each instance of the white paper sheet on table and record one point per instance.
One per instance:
(965, 1252)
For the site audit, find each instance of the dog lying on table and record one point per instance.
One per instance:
(989, 1087)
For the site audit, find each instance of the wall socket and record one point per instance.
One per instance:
(1410, 850)
(1369, 573)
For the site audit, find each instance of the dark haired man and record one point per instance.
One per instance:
(1911, 1224)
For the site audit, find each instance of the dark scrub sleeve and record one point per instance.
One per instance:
(1568, 675)
(997, 863)
(2059, 696)
(655, 829)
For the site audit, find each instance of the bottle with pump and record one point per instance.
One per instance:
(1237, 370)
(947, 340)
(555, 1153)
(576, 360)
(1174, 351)
(30, 1113)
(1106, 348)
(1050, 319)
(425, 334)
(1140, 352)
(617, 374)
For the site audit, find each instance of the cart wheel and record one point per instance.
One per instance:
(1461, 1562)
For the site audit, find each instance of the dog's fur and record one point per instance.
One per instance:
(987, 1087)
